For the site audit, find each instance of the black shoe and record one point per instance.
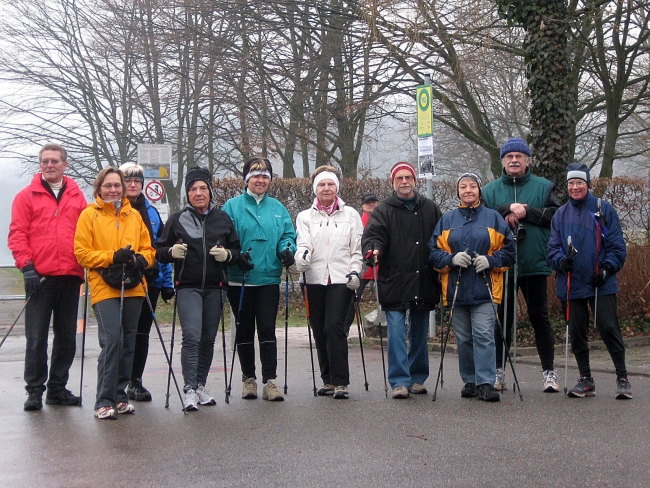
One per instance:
(34, 402)
(487, 393)
(325, 390)
(61, 397)
(586, 387)
(135, 391)
(468, 391)
(623, 389)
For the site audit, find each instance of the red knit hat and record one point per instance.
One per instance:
(400, 166)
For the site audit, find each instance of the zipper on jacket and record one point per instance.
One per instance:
(204, 259)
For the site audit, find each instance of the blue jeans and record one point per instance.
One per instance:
(474, 329)
(406, 367)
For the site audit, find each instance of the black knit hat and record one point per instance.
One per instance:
(198, 174)
(265, 162)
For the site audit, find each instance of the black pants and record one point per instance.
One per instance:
(142, 336)
(608, 327)
(534, 290)
(260, 306)
(328, 306)
(349, 317)
(57, 299)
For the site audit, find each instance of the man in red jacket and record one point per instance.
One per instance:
(41, 234)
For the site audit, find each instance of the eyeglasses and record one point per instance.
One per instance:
(577, 184)
(132, 181)
(108, 187)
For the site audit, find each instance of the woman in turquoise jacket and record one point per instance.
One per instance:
(266, 230)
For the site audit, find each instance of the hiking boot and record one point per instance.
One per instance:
(500, 381)
(125, 408)
(341, 392)
(249, 390)
(487, 393)
(34, 401)
(586, 387)
(325, 390)
(204, 396)
(191, 400)
(61, 397)
(400, 392)
(105, 413)
(551, 381)
(418, 389)
(468, 391)
(271, 392)
(623, 389)
(135, 391)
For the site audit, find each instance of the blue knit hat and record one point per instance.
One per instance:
(578, 170)
(515, 144)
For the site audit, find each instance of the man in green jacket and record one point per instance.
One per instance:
(527, 203)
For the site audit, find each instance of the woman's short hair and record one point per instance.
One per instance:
(99, 181)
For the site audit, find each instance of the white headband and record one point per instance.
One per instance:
(326, 175)
(257, 172)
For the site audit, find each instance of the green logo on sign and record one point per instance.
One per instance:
(423, 100)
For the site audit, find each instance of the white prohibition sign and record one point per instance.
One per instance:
(154, 191)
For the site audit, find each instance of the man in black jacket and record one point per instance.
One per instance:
(396, 237)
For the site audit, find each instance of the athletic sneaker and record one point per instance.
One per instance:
(125, 408)
(249, 390)
(325, 390)
(204, 396)
(400, 392)
(61, 397)
(500, 382)
(487, 393)
(191, 400)
(418, 389)
(586, 387)
(105, 413)
(551, 381)
(136, 391)
(341, 392)
(271, 392)
(468, 391)
(34, 402)
(623, 389)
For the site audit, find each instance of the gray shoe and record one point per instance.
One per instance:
(325, 390)
(400, 392)
(418, 389)
(249, 390)
(191, 400)
(204, 396)
(341, 392)
(500, 381)
(623, 389)
(271, 392)
(551, 381)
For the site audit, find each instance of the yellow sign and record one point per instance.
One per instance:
(425, 111)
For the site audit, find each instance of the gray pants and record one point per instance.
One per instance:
(199, 311)
(117, 343)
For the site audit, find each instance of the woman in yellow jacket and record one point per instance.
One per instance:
(112, 241)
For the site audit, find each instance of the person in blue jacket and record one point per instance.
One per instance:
(592, 271)
(469, 244)
(265, 228)
(159, 279)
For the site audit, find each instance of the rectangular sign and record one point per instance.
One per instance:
(156, 159)
(425, 111)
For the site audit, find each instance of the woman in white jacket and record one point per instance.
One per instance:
(329, 255)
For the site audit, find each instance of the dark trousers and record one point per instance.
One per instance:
(608, 327)
(57, 299)
(142, 336)
(349, 317)
(328, 306)
(260, 306)
(534, 290)
(116, 334)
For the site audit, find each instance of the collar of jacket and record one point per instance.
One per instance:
(251, 199)
(580, 203)
(189, 207)
(396, 202)
(509, 180)
(108, 207)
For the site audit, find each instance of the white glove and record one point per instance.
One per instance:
(353, 281)
(221, 254)
(179, 251)
(481, 263)
(461, 259)
(303, 259)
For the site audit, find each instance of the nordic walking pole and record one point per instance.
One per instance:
(498, 324)
(306, 296)
(598, 216)
(84, 321)
(19, 314)
(371, 254)
(506, 304)
(357, 312)
(177, 281)
(286, 322)
(162, 342)
(572, 251)
(237, 324)
(223, 332)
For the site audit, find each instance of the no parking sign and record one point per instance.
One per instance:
(154, 191)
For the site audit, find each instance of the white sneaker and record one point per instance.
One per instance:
(500, 382)
(249, 390)
(551, 381)
(271, 392)
(191, 400)
(125, 408)
(204, 396)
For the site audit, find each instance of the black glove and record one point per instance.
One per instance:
(32, 280)
(287, 258)
(124, 255)
(167, 294)
(244, 263)
(566, 265)
(600, 278)
(139, 263)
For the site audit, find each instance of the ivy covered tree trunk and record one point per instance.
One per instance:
(550, 86)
